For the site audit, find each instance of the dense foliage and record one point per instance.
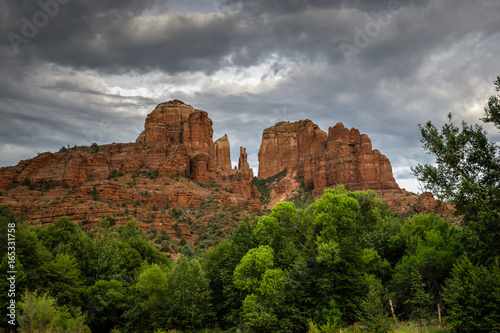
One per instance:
(467, 172)
(334, 263)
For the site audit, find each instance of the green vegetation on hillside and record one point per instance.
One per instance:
(341, 261)
(262, 185)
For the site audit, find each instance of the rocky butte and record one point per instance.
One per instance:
(175, 164)
(321, 160)
(316, 160)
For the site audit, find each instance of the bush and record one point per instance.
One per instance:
(95, 148)
(93, 193)
(26, 182)
(176, 213)
(115, 174)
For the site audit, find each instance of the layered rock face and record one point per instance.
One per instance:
(222, 153)
(285, 144)
(320, 160)
(176, 142)
(178, 123)
(174, 162)
(243, 166)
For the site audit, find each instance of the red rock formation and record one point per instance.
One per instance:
(222, 153)
(285, 144)
(178, 123)
(176, 144)
(243, 166)
(319, 160)
(427, 203)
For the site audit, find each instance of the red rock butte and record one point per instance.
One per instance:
(321, 160)
(176, 141)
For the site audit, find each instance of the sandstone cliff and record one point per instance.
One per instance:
(176, 144)
(319, 160)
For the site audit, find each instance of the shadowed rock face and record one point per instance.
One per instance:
(222, 153)
(320, 160)
(285, 145)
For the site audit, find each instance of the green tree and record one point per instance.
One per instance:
(260, 309)
(472, 295)
(420, 300)
(108, 258)
(41, 314)
(492, 109)
(66, 321)
(189, 295)
(146, 306)
(37, 312)
(102, 305)
(32, 255)
(152, 286)
(334, 253)
(431, 247)
(252, 266)
(62, 279)
(219, 264)
(373, 308)
(94, 147)
(283, 232)
(467, 173)
(64, 236)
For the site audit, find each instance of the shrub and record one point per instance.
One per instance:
(115, 174)
(26, 182)
(95, 148)
(93, 193)
(176, 213)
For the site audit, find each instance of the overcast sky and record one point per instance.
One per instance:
(79, 71)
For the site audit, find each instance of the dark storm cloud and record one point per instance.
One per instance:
(113, 36)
